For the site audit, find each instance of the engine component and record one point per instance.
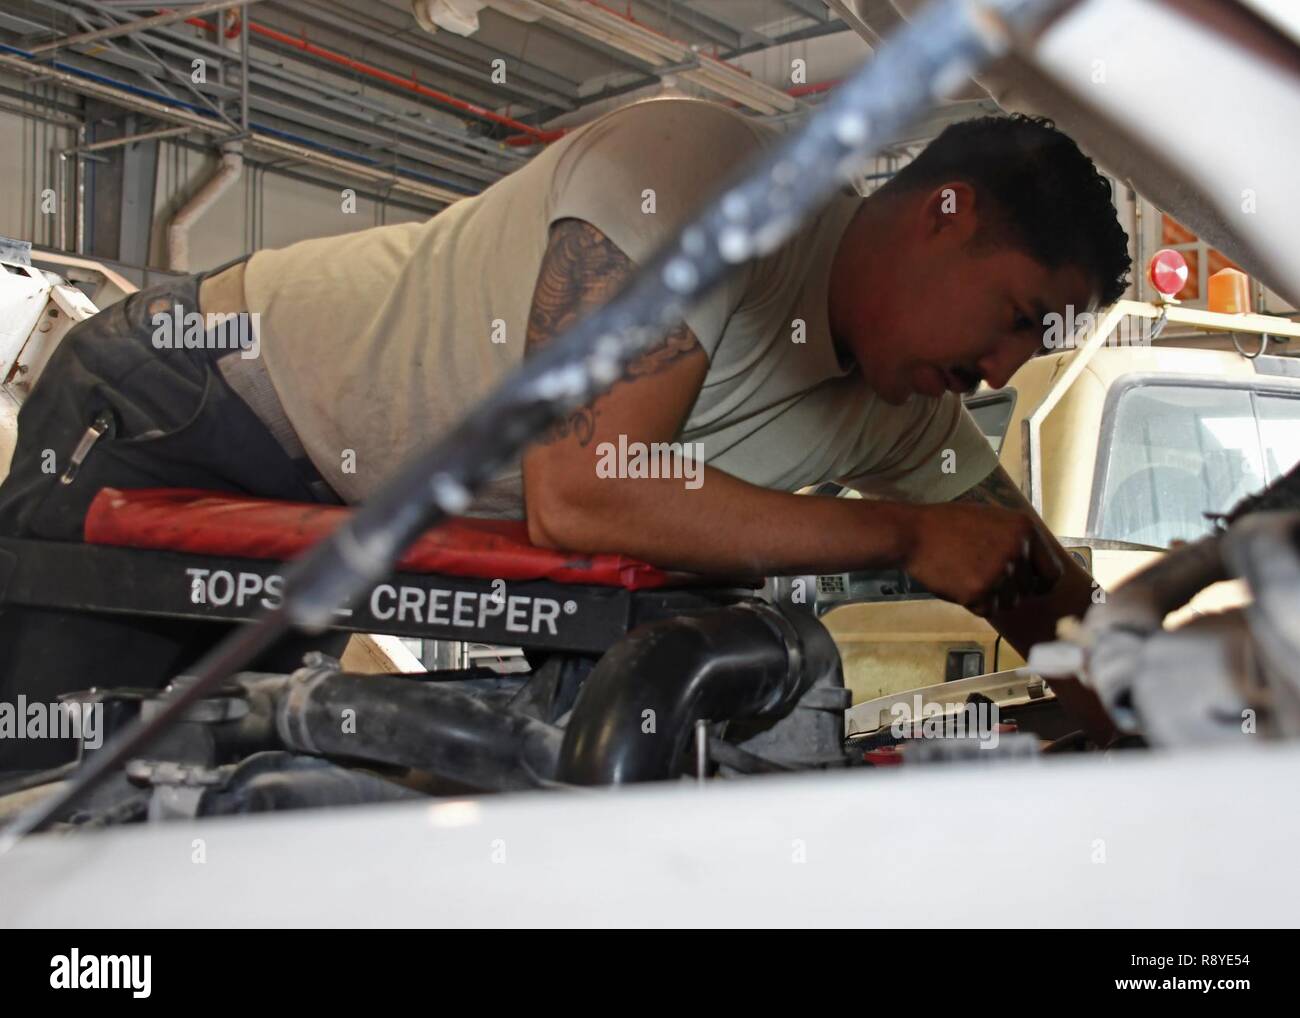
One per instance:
(771, 678)
(1218, 677)
(811, 735)
(429, 726)
(261, 783)
(635, 714)
(1264, 549)
(277, 781)
(227, 725)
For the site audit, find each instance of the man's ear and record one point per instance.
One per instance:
(951, 206)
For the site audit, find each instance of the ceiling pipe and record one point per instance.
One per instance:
(378, 73)
(814, 88)
(527, 83)
(429, 127)
(797, 92)
(817, 31)
(272, 75)
(178, 230)
(626, 34)
(172, 110)
(135, 25)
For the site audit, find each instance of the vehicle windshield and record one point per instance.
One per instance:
(991, 412)
(1178, 452)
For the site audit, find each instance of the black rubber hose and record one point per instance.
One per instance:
(20, 782)
(426, 726)
(636, 711)
(274, 781)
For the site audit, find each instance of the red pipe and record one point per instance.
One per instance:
(524, 140)
(820, 86)
(529, 135)
(535, 135)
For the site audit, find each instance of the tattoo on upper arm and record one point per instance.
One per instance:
(997, 490)
(580, 267)
(581, 270)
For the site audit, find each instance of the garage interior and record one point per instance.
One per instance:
(142, 144)
(413, 115)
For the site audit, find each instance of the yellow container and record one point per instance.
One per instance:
(1229, 292)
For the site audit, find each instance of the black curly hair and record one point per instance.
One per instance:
(1054, 204)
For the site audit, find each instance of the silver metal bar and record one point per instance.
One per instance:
(391, 137)
(167, 40)
(79, 243)
(138, 25)
(542, 86)
(819, 30)
(162, 111)
(243, 70)
(63, 201)
(718, 31)
(162, 132)
(850, 17)
(180, 78)
(814, 9)
(34, 114)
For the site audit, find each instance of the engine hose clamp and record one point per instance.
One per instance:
(291, 716)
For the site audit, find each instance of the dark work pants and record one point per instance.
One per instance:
(175, 422)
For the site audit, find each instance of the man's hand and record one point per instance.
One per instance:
(986, 559)
(1002, 517)
(1002, 514)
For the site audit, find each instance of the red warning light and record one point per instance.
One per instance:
(1167, 271)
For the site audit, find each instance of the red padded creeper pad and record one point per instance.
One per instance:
(213, 523)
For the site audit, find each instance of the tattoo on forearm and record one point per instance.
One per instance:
(581, 270)
(996, 490)
(581, 424)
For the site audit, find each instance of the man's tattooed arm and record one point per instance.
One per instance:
(580, 271)
(998, 489)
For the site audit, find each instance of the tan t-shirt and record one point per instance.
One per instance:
(379, 341)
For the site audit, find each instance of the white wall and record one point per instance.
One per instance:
(21, 182)
(262, 210)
